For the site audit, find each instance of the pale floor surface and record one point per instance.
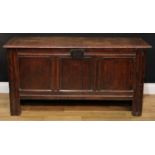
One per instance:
(77, 112)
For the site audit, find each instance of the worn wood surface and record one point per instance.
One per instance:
(76, 42)
(78, 112)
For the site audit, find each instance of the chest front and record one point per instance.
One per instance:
(76, 73)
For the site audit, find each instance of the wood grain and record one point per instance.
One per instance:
(76, 42)
(90, 112)
(15, 107)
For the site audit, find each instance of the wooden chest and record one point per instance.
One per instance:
(76, 68)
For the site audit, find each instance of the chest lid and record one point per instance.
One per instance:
(76, 42)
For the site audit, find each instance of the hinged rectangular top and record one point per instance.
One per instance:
(76, 42)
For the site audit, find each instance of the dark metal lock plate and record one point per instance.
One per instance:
(77, 53)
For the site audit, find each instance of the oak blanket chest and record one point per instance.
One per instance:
(76, 68)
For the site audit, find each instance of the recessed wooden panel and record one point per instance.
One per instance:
(35, 73)
(76, 74)
(115, 74)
